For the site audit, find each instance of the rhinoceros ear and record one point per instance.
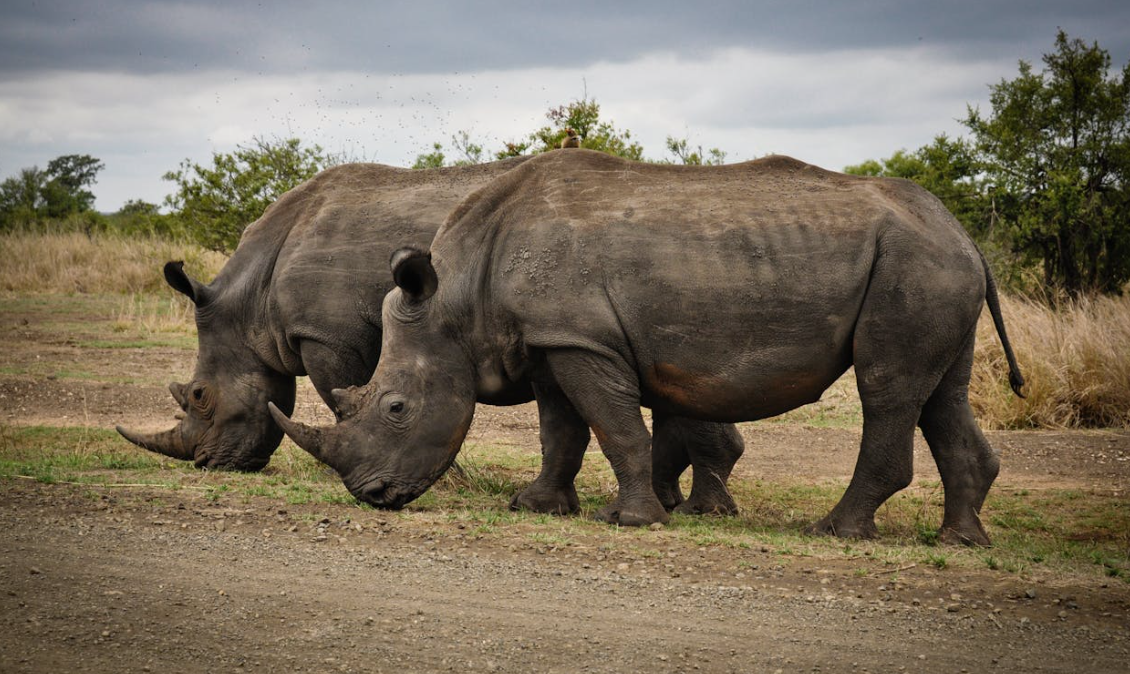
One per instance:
(413, 273)
(183, 283)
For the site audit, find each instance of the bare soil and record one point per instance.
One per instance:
(136, 579)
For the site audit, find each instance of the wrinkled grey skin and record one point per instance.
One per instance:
(299, 297)
(724, 293)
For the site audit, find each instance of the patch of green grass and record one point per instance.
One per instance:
(937, 560)
(1072, 531)
(53, 305)
(187, 343)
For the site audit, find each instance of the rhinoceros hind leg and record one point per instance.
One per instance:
(711, 448)
(966, 462)
(669, 458)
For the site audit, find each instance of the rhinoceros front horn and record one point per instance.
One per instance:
(308, 438)
(168, 443)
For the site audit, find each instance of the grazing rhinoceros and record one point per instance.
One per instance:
(725, 293)
(299, 297)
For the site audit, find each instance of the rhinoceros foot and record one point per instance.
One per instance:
(669, 495)
(972, 534)
(540, 499)
(843, 528)
(636, 513)
(714, 503)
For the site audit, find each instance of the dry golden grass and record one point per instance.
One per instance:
(148, 314)
(74, 262)
(1075, 359)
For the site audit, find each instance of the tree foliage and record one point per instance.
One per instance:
(470, 153)
(948, 168)
(216, 203)
(1055, 150)
(681, 149)
(62, 190)
(69, 177)
(1046, 173)
(583, 116)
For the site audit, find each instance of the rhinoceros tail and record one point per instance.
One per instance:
(1015, 379)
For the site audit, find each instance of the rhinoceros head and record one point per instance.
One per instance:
(402, 430)
(224, 421)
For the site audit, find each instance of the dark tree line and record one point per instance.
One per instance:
(1045, 173)
(57, 192)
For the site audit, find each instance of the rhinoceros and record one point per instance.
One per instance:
(727, 294)
(299, 297)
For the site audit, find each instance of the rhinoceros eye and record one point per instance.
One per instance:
(202, 399)
(396, 407)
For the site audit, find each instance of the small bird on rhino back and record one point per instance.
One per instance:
(571, 139)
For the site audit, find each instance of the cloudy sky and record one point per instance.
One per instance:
(144, 85)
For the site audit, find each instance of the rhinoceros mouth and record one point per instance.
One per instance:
(388, 495)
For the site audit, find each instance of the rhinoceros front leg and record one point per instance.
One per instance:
(606, 395)
(564, 438)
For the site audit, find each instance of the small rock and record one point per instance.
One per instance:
(1030, 593)
(655, 526)
(34, 571)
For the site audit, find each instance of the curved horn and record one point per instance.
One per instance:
(168, 443)
(308, 438)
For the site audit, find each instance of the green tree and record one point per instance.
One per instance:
(141, 218)
(433, 159)
(69, 176)
(949, 169)
(685, 154)
(470, 153)
(1055, 149)
(21, 198)
(583, 116)
(216, 203)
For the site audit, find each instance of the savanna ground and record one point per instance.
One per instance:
(113, 559)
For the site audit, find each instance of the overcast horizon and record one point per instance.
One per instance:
(144, 85)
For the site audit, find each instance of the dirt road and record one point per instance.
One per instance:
(142, 582)
(102, 579)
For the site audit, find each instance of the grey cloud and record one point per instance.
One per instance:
(444, 36)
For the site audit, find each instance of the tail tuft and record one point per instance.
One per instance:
(1016, 382)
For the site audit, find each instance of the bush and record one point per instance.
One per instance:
(1075, 359)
